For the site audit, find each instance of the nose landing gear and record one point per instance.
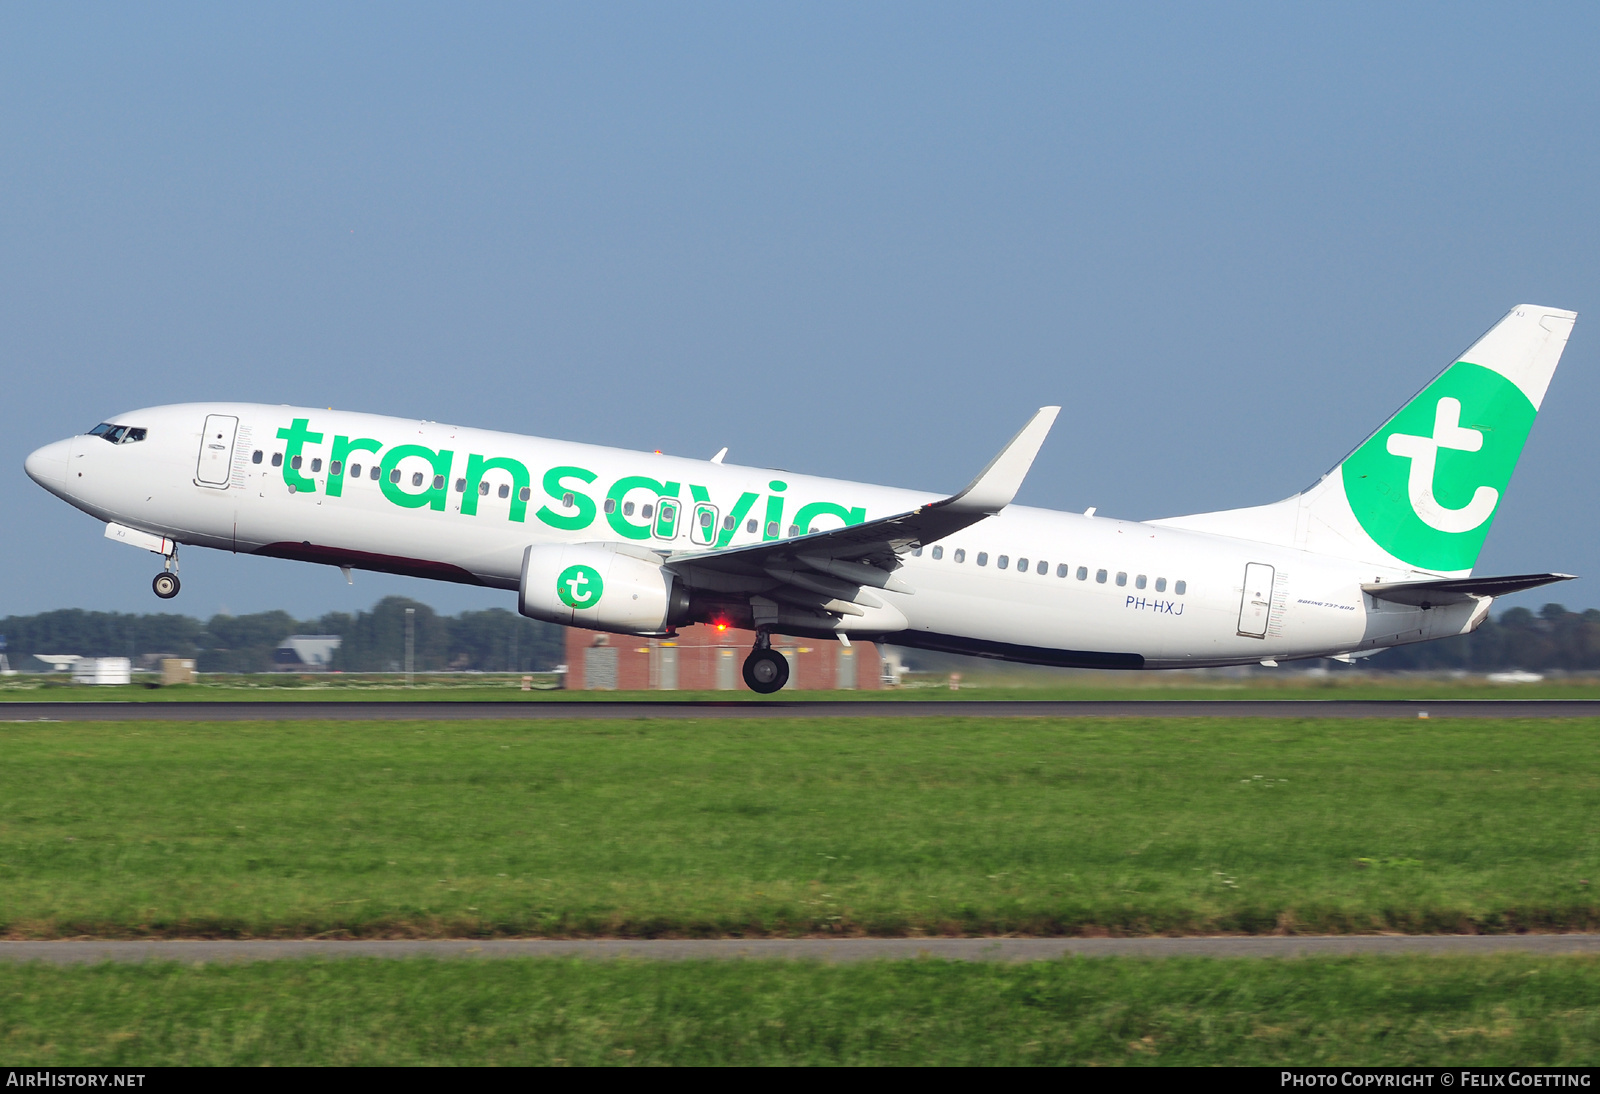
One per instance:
(765, 670)
(166, 583)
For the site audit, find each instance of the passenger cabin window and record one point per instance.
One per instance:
(1100, 576)
(483, 489)
(277, 459)
(917, 553)
(1122, 579)
(750, 525)
(960, 555)
(255, 457)
(1180, 588)
(1161, 584)
(938, 552)
(611, 506)
(394, 476)
(526, 493)
(729, 523)
(376, 469)
(627, 508)
(438, 483)
(1044, 567)
(647, 510)
(1022, 565)
(794, 530)
(461, 486)
(1083, 573)
(566, 501)
(983, 558)
(335, 467)
(772, 529)
(1002, 562)
(1063, 570)
(295, 463)
(1138, 582)
(416, 478)
(316, 465)
(504, 491)
(355, 471)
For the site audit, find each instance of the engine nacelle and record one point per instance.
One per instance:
(596, 586)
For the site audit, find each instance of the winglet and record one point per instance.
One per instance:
(999, 482)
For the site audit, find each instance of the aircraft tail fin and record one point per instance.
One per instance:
(1421, 492)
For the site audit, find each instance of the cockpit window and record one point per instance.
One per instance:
(117, 434)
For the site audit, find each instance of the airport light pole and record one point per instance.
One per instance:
(411, 642)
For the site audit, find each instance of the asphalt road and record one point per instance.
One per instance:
(806, 949)
(436, 710)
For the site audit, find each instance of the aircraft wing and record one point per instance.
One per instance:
(828, 571)
(1457, 590)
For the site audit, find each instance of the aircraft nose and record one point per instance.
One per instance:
(47, 466)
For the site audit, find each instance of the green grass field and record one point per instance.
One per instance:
(1352, 1011)
(985, 682)
(744, 827)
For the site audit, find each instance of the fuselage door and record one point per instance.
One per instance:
(666, 518)
(703, 530)
(216, 451)
(1256, 603)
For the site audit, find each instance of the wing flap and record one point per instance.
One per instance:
(864, 555)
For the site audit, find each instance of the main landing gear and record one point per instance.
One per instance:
(166, 583)
(765, 670)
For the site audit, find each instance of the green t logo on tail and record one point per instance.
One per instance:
(579, 586)
(1425, 486)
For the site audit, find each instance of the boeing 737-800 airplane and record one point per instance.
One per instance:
(1377, 553)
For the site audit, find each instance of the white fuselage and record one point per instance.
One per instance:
(464, 504)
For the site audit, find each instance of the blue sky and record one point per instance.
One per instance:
(856, 240)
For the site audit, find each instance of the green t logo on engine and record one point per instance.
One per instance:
(579, 586)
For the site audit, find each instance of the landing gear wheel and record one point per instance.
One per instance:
(766, 671)
(166, 585)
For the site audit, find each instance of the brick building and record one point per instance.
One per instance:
(704, 658)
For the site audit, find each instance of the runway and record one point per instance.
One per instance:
(828, 950)
(356, 710)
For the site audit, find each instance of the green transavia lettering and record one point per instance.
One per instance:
(414, 476)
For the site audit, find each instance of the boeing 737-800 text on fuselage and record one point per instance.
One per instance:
(1377, 553)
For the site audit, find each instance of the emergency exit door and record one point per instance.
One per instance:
(216, 450)
(1256, 604)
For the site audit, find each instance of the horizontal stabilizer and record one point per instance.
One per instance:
(1457, 590)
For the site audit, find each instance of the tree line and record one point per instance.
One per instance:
(495, 640)
(1550, 639)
